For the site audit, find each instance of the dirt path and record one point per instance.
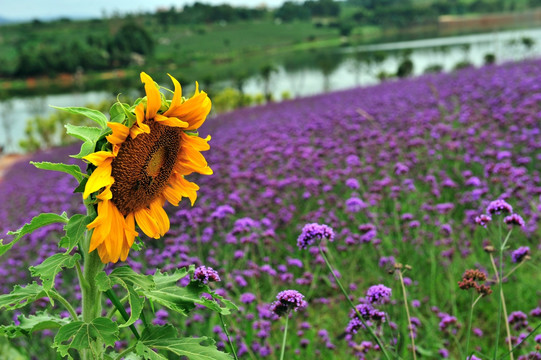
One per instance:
(7, 160)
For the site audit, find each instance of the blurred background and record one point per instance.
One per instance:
(242, 52)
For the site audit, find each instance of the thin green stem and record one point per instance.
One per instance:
(114, 299)
(410, 327)
(284, 339)
(113, 310)
(497, 340)
(64, 302)
(468, 333)
(514, 269)
(523, 340)
(368, 328)
(224, 326)
(502, 307)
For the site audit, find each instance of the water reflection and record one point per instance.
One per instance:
(311, 72)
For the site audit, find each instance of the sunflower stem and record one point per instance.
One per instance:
(90, 294)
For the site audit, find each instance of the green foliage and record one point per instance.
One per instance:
(229, 99)
(131, 282)
(73, 170)
(36, 222)
(75, 230)
(21, 296)
(29, 325)
(44, 132)
(176, 298)
(82, 336)
(51, 266)
(166, 338)
(94, 115)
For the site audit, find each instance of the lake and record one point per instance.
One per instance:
(328, 70)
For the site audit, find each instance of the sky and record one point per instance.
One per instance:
(47, 9)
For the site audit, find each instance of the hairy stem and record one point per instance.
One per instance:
(410, 327)
(64, 302)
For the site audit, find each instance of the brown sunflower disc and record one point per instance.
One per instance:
(143, 167)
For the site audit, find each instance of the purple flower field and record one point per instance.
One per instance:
(401, 173)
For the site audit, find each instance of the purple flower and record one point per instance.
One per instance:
(514, 219)
(378, 294)
(247, 298)
(483, 220)
(352, 183)
(498, 207)
(206, 274)
(312, 232)
(354, 205)
(222, 211)
(519, 254)
(286, 301)
(400, 169)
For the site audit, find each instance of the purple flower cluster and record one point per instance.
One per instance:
(520, 254)
(499, 206)
(206, 275)
(514, 219)
(423, 154)
(287, 301)
(378, 294)
(311, 233)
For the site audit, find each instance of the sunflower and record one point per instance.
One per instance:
(143, 166)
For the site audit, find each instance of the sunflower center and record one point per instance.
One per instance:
(143, 167)
(156, 162)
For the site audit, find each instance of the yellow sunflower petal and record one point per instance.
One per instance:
(116, 235)
(183, 187)
(101, 177)
(98, 157)
(196, 142)
(104, 255)
(170, 121)
(141, 127)
(194, 110)
(147, 223)
(120, 133)
(159, 214)
(101, 225)
(177, 97)
(154, 100)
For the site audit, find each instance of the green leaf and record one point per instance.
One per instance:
(94, 115)
(85, 133)
(181, 299)
(73, 170)
(31, 324)
(126, 274)
(80, 336)
(51, 266)
(116, 113)
(20, 296)
(86, 149)
(129, 280)
(166, 338)
(36, 222)
(75, 231)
